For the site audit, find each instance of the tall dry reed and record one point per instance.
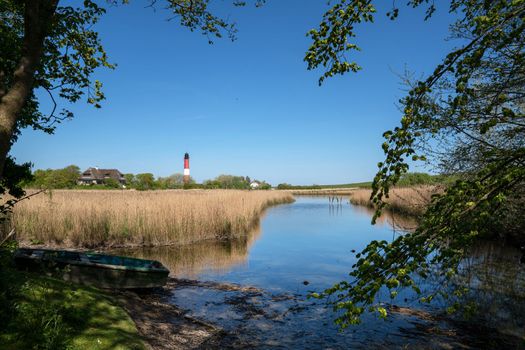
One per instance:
(407, 200)
(132, 218)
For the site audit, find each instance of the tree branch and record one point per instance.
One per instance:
(2, 84)
(37, 18)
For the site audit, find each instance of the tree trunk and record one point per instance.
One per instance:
(38, 15)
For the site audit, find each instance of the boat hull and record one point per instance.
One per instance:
(78, 268)
(109, 278)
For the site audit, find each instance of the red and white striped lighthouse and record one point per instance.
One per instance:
(186, 168)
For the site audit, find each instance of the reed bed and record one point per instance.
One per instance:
(404, 200)
(87, 218)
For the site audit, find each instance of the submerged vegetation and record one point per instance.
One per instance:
(136, 218)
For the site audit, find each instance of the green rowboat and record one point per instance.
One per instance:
(99, 270)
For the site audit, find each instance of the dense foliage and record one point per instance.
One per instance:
(234, 182)
(67, 178)
(173, 181)
(56, 178)
(147, 181)
(467, 117)
(11, 183)
(417, 179)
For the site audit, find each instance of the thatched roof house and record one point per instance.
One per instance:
(98, 176)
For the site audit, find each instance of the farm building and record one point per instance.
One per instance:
(94, 176)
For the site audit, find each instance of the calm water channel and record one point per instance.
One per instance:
(307, 246)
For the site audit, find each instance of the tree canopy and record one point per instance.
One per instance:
(468, 116)
(234, 182)
(173, 181)
(56, 179)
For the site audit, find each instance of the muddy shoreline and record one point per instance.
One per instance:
(164, 325)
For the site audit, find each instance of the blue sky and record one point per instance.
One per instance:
(246, 108)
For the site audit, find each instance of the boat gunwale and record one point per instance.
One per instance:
(157, 270)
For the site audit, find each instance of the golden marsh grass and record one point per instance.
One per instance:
(89, 218)
(407, 200)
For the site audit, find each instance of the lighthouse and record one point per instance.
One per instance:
(186, 168)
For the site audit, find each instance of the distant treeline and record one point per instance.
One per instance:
(285, 186)
(413, 179)
(234, 182)
(407, 180)
(55, 178)
(67, 178)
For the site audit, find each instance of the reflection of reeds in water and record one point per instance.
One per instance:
(495, 280)
(191, 259)
(491, 266)
(399, 222)
(151, 218)
(335, 209)
(335, 205)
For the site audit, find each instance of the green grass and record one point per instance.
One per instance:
(47, 313)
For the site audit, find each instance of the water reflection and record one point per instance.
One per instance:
(308, 246)
(220, 257)
(496, 282)
(493, 266)
(189, 261)
(397, 222)
(335, 209)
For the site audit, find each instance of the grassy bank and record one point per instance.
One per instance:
(46, 313)
(140, 218)
(404, 200)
